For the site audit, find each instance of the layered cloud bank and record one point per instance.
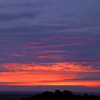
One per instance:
(50, 43)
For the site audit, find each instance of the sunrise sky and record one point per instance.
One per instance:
(50, 44)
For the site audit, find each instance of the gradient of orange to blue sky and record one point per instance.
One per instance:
(50, 44)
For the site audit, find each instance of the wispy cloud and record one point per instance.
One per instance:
(10, 17)
(49, 46)
(28, 4)
(50, 42)
(51, 57)
(20, 10)
(65, 66)
(85, 79)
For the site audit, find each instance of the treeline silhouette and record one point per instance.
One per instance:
(58, 95)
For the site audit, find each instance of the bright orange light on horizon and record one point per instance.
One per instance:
(48, 74)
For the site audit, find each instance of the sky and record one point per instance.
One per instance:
(50, 44)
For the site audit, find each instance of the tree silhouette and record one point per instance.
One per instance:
(58, 95)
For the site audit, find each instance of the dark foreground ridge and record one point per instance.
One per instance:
(58, 95)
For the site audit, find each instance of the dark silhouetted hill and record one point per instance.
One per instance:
(58, 95)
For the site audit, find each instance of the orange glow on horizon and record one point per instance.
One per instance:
(66, 73)
(27, 79)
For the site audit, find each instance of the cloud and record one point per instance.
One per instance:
(77, 37)
(10, 83)
(51, 57)
(39, 78)
(65, 66)
(39, 52)
(33, 29)
(27, 78)
(28, 4)
(89, 79)
(3, 69)
(67, 15)
(68, 37)
(52, 51)
(31, 9)
(68, 73)
(17, 55)
(43, 45)
(2, 52)
(49, 46)
(20, 10)
(75, 48)
(15, 16)
(36, 28)
(18, 44)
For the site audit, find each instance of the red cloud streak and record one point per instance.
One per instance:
(47, 74)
